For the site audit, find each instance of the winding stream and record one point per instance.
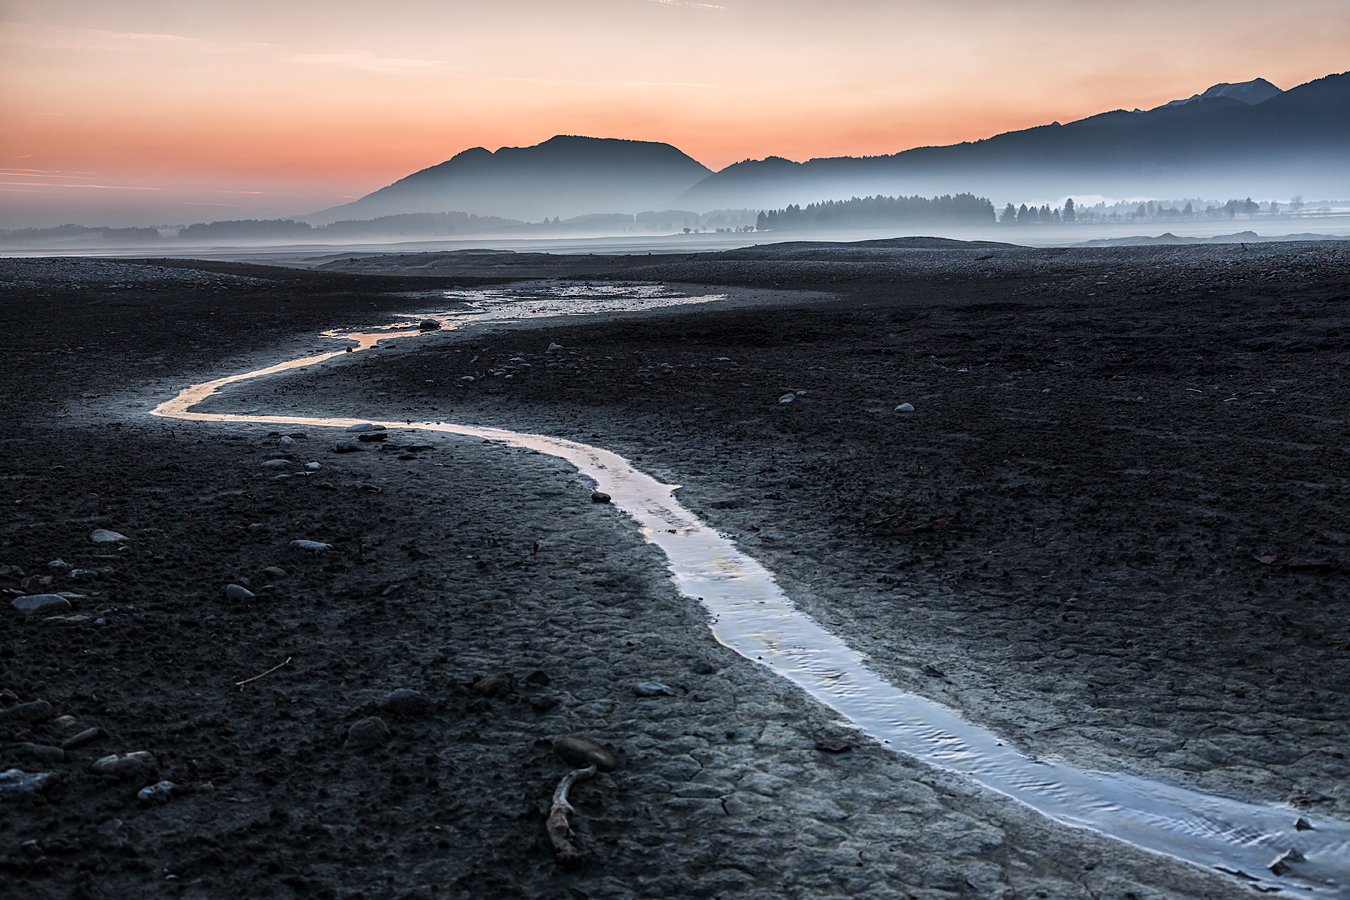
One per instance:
(751, 615)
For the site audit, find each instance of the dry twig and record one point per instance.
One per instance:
(559, 832)
(268, 672)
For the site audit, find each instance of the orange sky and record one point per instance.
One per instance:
(172, 112)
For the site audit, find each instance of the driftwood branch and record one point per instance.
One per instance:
(559, 832)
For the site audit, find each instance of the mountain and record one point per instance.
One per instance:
(1225, 142)
(1250, 92)
(564, 176)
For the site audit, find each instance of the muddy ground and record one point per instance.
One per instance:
(1113, 528)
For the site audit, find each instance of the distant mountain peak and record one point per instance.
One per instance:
(1258, 90)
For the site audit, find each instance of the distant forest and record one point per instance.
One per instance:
(880, 212)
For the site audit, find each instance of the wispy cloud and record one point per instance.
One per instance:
(54, 37)
(708, 6)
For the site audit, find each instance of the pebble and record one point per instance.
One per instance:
(58, 564)
(238, 592)
(35, 711)
(159, 792)
(905, 407)
(581, 752)
(428, 325)
(79, 740)
(137, 764)
(104, 536)
(787, 398)
(703, 668)
(600, 497)
(407, 702)
(313, 467)
(372, 436)
(311, 545)
(553, 347)
(364, 427)
(367, 734)
(831, 745)
(42, 753)
(347, 447)
(274, 572)
(498, 684)
(16, 783)
(41, 604)
(276, 464)
(652, 689)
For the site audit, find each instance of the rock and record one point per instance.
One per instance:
(407, 702)
(16, 783)
(1303, 825)
(286, 440)
(159, 792)
(703, 668)
(787, 398)
(580, 752)
(904, 407)
(428, 325)
(139, 764)
(367, 734)
(66, 722)
(79, 740)
(276, 464)
(11, 572)
(313, 467)
(1309, 564)
(372, 436)
(274, 572)
(104, 536)
(35, 711)
(41, 604)
(538, 678)
(498, 684)
(347, 447)
(466, 378)
(42, 753)
(406, 456)
(34, 582)
(238, 592)
(831, 745)
(934, 672)
(652, 689)
(58, 564)
(311, 545)
(600, 497)
(364, 427)
(553, 347)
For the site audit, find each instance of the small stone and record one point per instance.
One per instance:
(905, 407)
(274, 572)
(42, 753)
(313, 467)
(367, 734)
(652, 689)
(238, 592)
(787, 398)
(138, 764)
(347, 447)
(428, 325)
(498, 684)
(364, 427)
(16, 783)
(41, 604)
(286, 440)
(35, 711)
(553, 347)
(538, 678)
(934, 672)
(104, 536)
(703, 668)
(157, 793)
(407, 702)
(276, 464)
(600, 497)
(406, 456)
(66, 722)
(372, 436)
(580, 752)
(311, 545)
(831, 745)
(1303, 825)
(58, 564)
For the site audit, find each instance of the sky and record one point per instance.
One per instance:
(140, 112)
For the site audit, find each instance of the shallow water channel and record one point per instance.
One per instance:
(751, 615)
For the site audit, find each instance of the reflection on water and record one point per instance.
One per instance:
(752, 615)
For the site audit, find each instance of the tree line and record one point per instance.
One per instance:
(865, 212)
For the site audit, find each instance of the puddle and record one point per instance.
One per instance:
(751, 615)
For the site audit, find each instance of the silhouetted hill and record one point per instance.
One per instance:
(564, 176)
(1295, 142)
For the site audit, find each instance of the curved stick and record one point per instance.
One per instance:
(559, 832)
